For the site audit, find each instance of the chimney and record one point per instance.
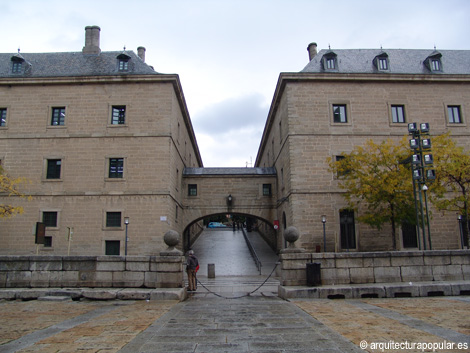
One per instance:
(312, 51)
(141, 53)
(92, 40)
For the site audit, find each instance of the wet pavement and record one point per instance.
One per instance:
(258, 322)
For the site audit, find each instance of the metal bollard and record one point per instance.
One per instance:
(210, 270)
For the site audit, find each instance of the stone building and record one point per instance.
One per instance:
(101, 136)
(104, 138)
(338, 101)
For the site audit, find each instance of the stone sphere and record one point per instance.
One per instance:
(171, 238)
(291, 234)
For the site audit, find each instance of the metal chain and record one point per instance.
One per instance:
(241, 296)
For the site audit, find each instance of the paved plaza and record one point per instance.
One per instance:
(256, 323)
(221, 317)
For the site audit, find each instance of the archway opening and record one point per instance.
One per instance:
(224, 240)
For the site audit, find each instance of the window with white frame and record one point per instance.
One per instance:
(398, 113)
(454, 114)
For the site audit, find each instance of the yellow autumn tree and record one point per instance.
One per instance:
(377, 186)
(452, 165)
(8, 188)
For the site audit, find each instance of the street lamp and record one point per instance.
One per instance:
(126, 222)
(459, 217)
(323, 220)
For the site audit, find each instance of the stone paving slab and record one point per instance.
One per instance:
(250, 324)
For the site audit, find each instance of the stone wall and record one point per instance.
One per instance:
(377, 267)
(91, 271)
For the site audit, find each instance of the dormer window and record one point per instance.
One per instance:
(329, 61)
(433, 62)
(381, 62)
(123, 62)
(17, 64)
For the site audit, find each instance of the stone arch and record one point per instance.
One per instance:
(266, 229)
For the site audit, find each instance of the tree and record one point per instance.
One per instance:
(452, 165)
(9, 187)
(373, 178)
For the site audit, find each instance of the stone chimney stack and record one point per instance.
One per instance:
(92, 40)
(141, 53)
(312, 50)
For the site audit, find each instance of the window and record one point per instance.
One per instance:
(453, 112)
(3, 117)
(58, 116)
(329, 61)
(113, 219)
(383, 64)
(17, 67)
(398, 114)
(267, 190)
(112, 247)
(116, 168)
(347, 229)
(192, 189)
(47, 242)
(339, 113)
(342, 172)
(53, 168)
(123, 65)
(49, 219)
(118, 116)
(435, 65)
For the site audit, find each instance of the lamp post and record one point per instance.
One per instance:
(323, 220)
(421, 164)
(126, 222)
(459, 217)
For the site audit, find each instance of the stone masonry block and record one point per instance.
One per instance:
(361, 274)
(40, 279)
(169, 267)
(408, 258)
(394, 291)
(335, 276)
(436, 258)
(349, 262)
(466, 272)
(110, 263)
(150, 279)
(447, 273)
(14, 263)
(426, 289)
(460, 258)
(70, 278)
(128, 279)
(45, 263)
(18, 279)
(79, 263)
(416, 273)
(137, 263)
(3, 279)
(387, 274)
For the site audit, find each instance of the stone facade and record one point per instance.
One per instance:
(84, 189)
(301, 133)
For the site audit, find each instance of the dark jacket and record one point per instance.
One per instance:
(192, 262)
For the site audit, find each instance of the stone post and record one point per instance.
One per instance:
(169, 265)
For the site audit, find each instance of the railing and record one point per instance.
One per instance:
(252, 251)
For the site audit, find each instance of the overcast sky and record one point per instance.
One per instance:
(229, 53)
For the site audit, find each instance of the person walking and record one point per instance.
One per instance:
(192, 264)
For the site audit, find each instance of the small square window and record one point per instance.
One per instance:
(192, 189)
(118, 116)
(116, 168)
(339, 113)
(398, 113)
(3, 117)
(113, 219)
(58, 116)
(453, 112)
(48, 242)
(49, 219)
(112, 247)
(53, 168)
(267, 190)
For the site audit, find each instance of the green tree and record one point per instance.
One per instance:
(452, 186)
(376, 183)
(9, 187)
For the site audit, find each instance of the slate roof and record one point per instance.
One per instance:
(401, 61)
(229, 171)
(72, 64)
